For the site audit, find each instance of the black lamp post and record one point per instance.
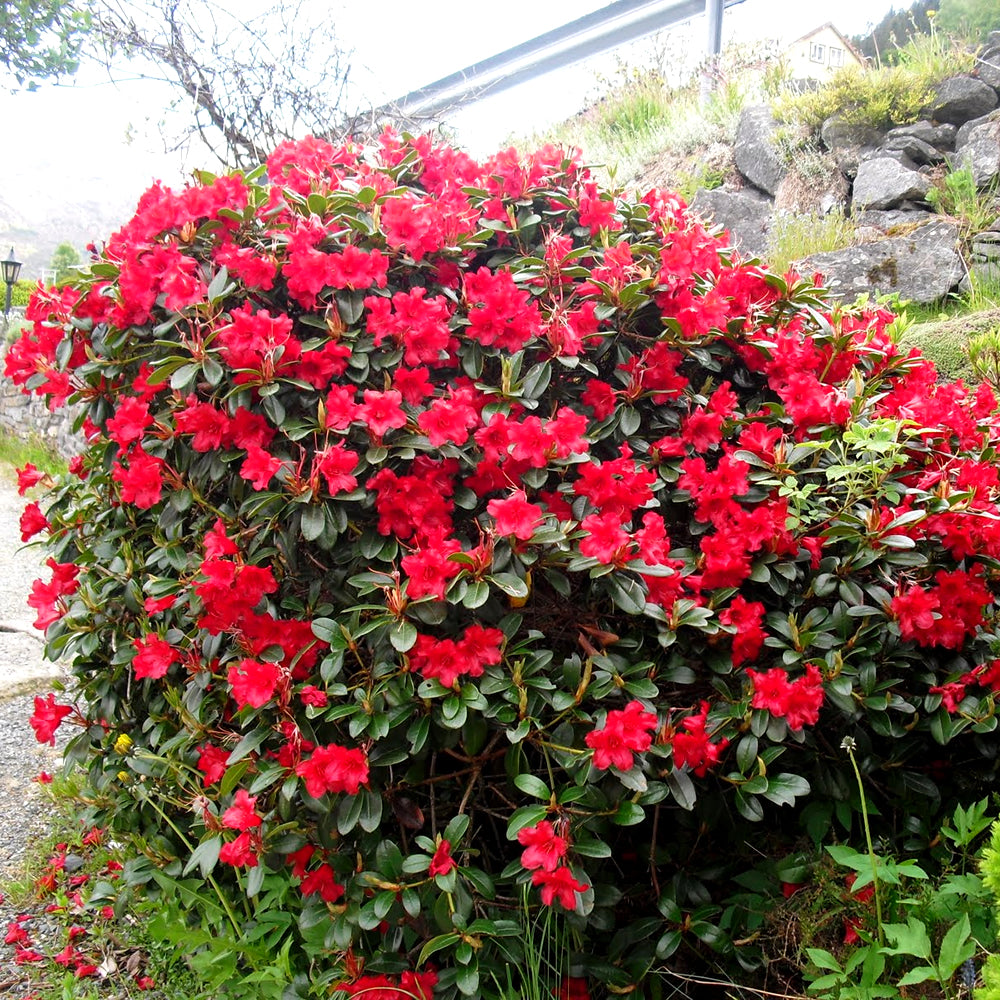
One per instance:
(9, 270)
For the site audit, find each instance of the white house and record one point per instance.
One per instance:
(819, 54)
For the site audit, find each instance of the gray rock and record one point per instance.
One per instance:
(915, 149)
(745, 214)
(756, 157)
(985, 272)
(922, 266)
(988, 63)
(960, 99)
(938, 136)
(893, 219)
(981, 153)
(986, 246)
(882, 182)
(849, 143)
(962, 136)
(867, 234)
(836, 133)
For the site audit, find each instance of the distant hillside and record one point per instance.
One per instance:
(38, 225)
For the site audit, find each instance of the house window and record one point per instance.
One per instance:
(817, 53)
(836, 56)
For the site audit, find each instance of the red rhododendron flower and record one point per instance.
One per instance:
(240, 852)
(381, 412)
(32, 521)
(154, 657)
(442, 862)
(334, 769)
(311, 695)
(46, 718)
(323, 881)
(16, 934)
(242, 815)
(212, 763)
(154, 605)
(129, 423)
(623, 732)
(142, 481)
(693, 748)
(558, 885)
(544, 848)
(746, 617)
(253, 683)
(27, 477)
(515, 516)
(382, 987)
(798, 702)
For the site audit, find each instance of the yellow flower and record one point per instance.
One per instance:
(123, 744)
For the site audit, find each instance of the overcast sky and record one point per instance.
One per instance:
(97, 141)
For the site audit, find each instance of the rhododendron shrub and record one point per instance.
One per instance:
(452, 534)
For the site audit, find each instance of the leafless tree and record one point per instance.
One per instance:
(250, 84)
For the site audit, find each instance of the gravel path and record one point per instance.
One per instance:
(23, 674)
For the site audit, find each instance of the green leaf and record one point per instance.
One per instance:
(749, 807)
(531, 785)
(910, 939)
(467, 979)
(437, 944)
(918, 975)
(956, 948)
(525, 816)
(247, 745)
(628, 814)
(205, 856)
(823, 959)
(313, 521)
(510, 584)
(784, 789)
(402, 635)
(627, 593)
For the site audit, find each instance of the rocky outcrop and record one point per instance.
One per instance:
(883, 182)
(746, 214)
(961, 98)
(922, 266)
(757, 157)
(980, 151)
(849, 143)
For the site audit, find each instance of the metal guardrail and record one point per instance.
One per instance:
(599, 31)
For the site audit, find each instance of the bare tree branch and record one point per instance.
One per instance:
(249, 85)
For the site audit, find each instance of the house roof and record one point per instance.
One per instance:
(832, 27)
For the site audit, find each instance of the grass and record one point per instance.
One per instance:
(640, 114)
(16, 452)
(793, 237)
(946, 341)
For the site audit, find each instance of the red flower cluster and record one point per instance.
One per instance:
(797, 702)
(624, 733)
(449, 659)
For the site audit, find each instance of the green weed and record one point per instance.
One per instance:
(16, 452)
(794, 237)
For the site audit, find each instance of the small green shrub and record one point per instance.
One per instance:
(880, 98)
(955, 193)
(688, 183)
